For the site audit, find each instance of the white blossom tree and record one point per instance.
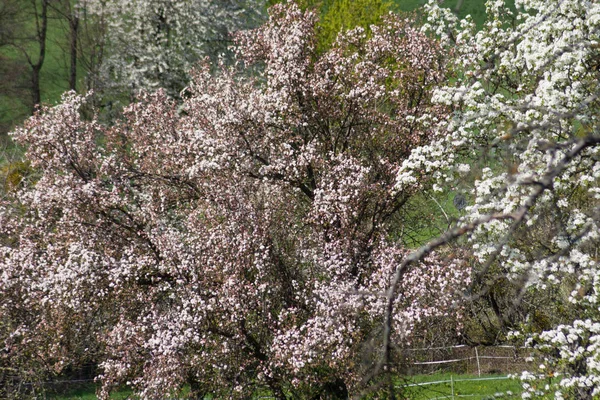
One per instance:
(527, 100)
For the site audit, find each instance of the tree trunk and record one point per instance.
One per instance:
(36, 94)
(74, 28)
(42, 28)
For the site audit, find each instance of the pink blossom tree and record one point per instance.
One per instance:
(241, 240)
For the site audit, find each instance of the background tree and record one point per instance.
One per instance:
(8, 16)
(69, 11)
(159, 47)
(154, 44)
(36, 59)
(11, 71)
(32, 52)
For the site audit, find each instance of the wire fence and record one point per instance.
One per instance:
(486, 363)
(462, 359)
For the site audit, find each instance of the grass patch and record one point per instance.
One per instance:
(426, 216)
(474, 8)
(467, 386)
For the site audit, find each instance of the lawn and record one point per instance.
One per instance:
(418, 387)
(474, 8)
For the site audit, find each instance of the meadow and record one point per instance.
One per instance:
(419, 387)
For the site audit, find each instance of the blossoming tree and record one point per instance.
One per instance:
(241, 240)
(527, 99)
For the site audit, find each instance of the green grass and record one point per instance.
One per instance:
(476, 389)
(474, 8)
(426, 216)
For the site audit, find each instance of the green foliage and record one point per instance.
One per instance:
(13, 173)
(343, 15)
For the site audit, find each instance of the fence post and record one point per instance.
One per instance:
(452, 386)
(477, 358)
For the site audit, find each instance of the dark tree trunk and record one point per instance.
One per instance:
(333, 390)
(36, 94)
(74, 32)
(42, 28)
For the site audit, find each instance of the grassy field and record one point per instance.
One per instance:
(418, 387)
(88, 393)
